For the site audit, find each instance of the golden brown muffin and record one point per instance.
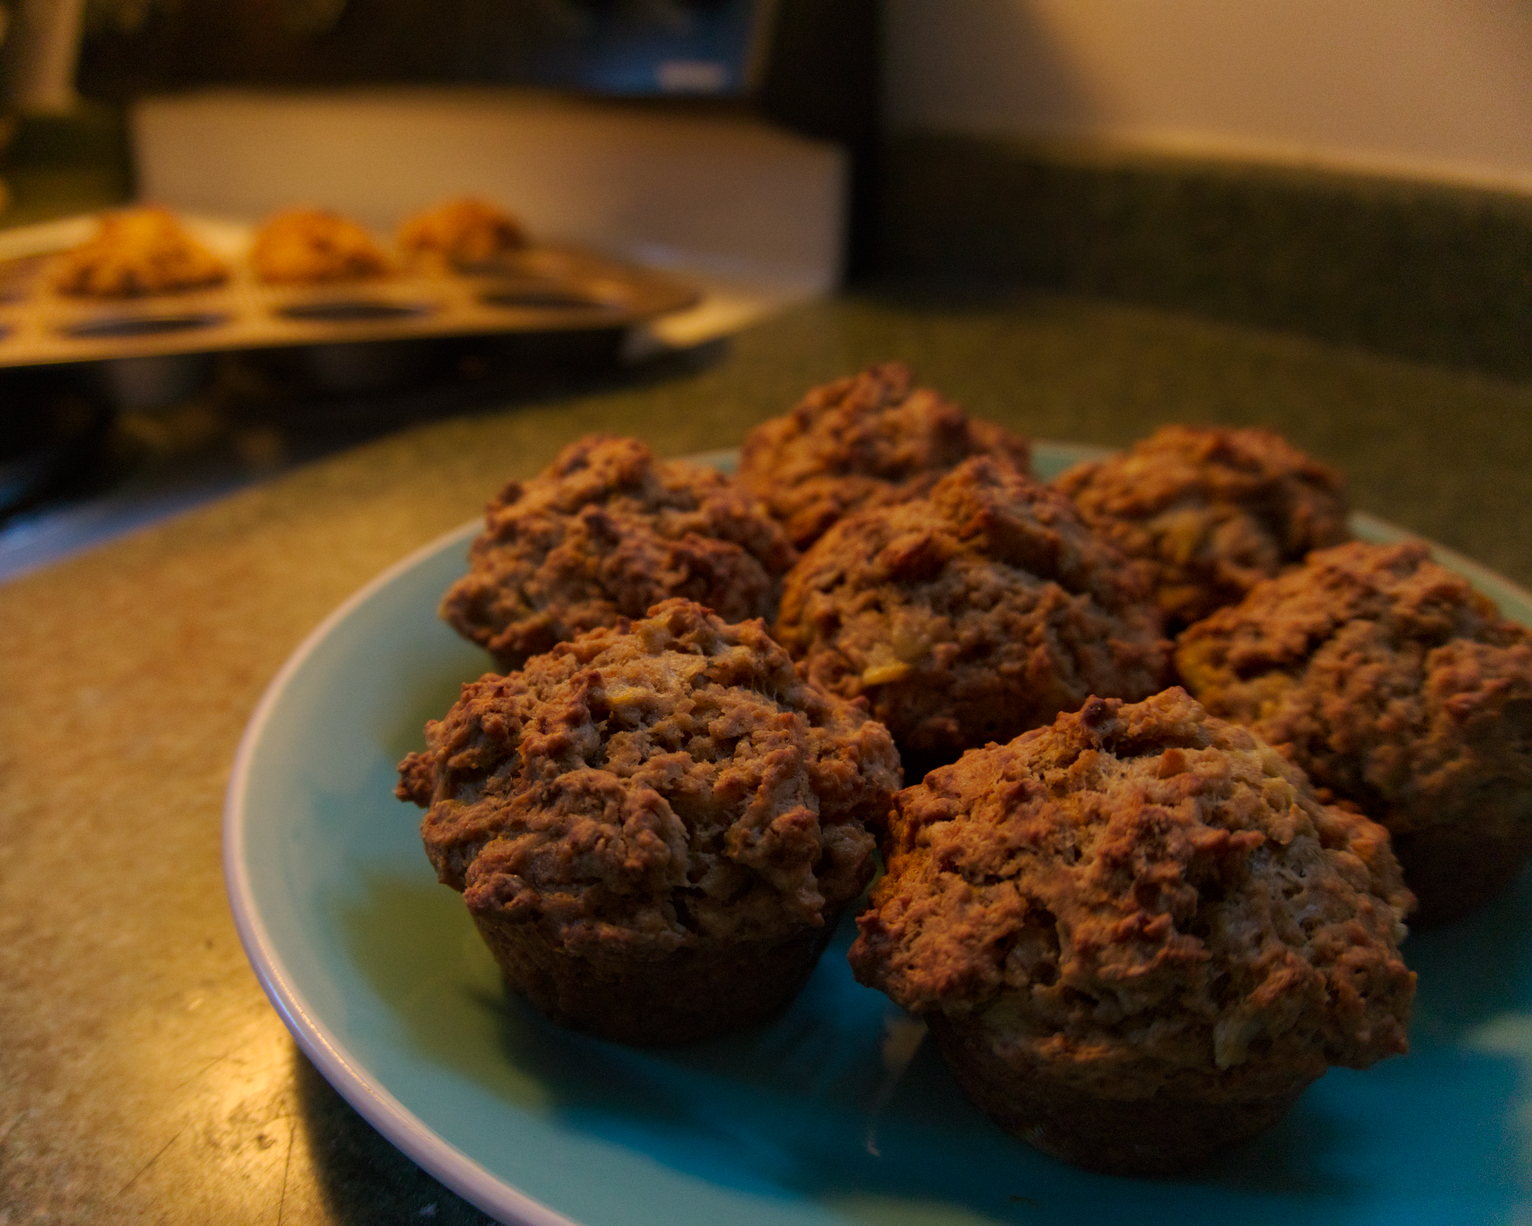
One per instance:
(315, 247)
(464, 233)
(1137, 934)
(654, 825)
(873, 437)
(1212, 509)
(134, 253)
(604, 532)
(1399, 689)
(972, 614)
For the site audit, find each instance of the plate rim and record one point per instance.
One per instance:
(460, 1173)
(402, 1127)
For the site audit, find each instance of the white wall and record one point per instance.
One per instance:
(1434, 88)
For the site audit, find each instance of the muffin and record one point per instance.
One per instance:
(1137, 935)
(655, 825)
(872, 437)
(315, 247)
(1213, 510)
(1399, 689)
(465, 233)
(134, 253)
(972, 614)
(603, 533)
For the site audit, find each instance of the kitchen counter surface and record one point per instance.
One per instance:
(143, 1076)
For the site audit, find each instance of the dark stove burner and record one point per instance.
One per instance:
(80, 464)
(55, 438)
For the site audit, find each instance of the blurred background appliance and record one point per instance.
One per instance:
(733, 135)
(807, 63)
(730, 141)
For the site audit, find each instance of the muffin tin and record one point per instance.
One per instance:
(538, 289)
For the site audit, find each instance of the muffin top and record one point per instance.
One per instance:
(1388, 678)
(461, 233)
(136, 252)
(973, 613)
(603, 533)
(1214, 510)
(1150, 894)
(652, 785)
(872, 436)
(315, 246)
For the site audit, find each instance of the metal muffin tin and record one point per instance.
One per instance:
(146, 344)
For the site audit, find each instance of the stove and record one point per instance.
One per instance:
(93, 451)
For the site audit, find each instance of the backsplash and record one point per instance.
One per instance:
(1424, 271)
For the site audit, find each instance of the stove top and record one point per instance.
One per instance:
(77, 469)
(90, 452)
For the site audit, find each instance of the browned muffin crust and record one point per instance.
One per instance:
(1214, 510)
(1137, 933)
(461, 233)
(873, 436)
(603, 533)
(1398, 688)
(314, 247)
(136, 252)
(972, 614)
(661, 795)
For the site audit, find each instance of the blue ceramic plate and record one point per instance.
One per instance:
(835, 1113)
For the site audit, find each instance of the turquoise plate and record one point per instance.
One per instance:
(835, 1113)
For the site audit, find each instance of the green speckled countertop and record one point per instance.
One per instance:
(143, 1076)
